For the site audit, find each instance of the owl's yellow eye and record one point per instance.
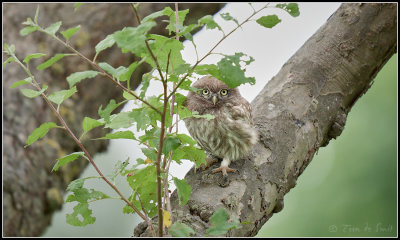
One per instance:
(223, 92)
(205, 91)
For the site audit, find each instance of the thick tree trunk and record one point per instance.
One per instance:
(298, 111)
(31, 192)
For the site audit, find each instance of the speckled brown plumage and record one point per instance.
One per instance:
(231, 134)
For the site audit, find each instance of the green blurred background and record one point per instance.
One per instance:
(350, 187)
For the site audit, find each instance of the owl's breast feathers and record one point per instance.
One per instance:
(230, 134)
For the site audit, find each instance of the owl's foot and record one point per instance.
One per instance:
(209, 162)
(224, 170)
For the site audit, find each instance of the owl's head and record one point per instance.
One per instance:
(211, 93)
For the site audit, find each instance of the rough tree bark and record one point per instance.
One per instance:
(31, 192)
(298, 111)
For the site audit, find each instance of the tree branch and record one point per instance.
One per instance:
(298, 111)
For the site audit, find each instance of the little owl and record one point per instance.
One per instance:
(231, 134)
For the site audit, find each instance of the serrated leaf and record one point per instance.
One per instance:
(207, 69)
(33, 93)
(27, 30)
(132, 39)
(60, 96)
(39, 132)
(52, 60)
(209, 22)
(184, 190)
(179, 229)
(83, 210)
(119, 135)
(33, 55)
(90, 123)
(172, 18)
(76, 184)
(10, 59)
(66, 159)
(162, 47)
(230, 71)
(53, 28)
(170, 143)
(75, 78)
(70, 32)
(268, 21)
(105, 43)
(27, 80)
(105, 114)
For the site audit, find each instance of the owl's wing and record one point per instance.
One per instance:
(242, 111)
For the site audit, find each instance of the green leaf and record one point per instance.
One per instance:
(150, 153)
(139, 115)
(27, 30)
(179, 229)
(170, 143)
(185, 139)
(105, 43)
(90, 123)
(76, 184)
(228, 17)
(209, 22)
(119, 135)
(66, 159)
(108, 109)
(53, 28)
(230, 71)
(126, 75)
(108, 68)
(219, 223)
(291, 8)
(83, 210)
(195, 155)
(172, 18)
(70, 32)
(27, 80)
(39, 132)
(52, 60)
(75, 78)
(33, 55)
(145, 83)
(207, 69)
(10, 59)
(36, 15)
(184, 190)
(132, 39)
(162, 47)
(144, 184)
(120, 120)
(60, 96)
(33, 93)
(9, 49)
(268, 21)
(153, 16)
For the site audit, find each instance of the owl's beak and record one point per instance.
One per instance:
(214, 99)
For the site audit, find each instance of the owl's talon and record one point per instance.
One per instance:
(224, 170)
